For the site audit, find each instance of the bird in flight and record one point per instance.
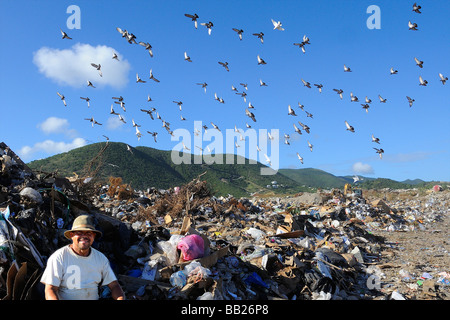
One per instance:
(122, 104)
(260, 36)
(300, 157)
(347, 69)
(138, 133)
(98, 67)
(89, 84)
(115, 56)
(339, 92)
(260, 60)
(62, 98)
(147, 47)
(380, 152)
(262, 83)
(204, 85)
(418, 62)
(304, 126)
(139, 80)
(121, 118)
(208, 25)
(375, 139)
(306, 84)
(149, 112)
(217, 98)
(319, 86)
(349, 127)
(306, 40)
(129, 149)
(301, 45)
(393, 71)
(112, 110)
(268, 159)
(382, 100)
(193, 17)
(225, 65)
(179, 103)
(416, 8)
(134, 123)
(152, 76)
(215, 126)
(410, 100)
(154, 134)
(291, 111)
(93, 121)
(87, 100)
(239, 32)
(443, 79)
(250, 115)
(412, 26)
(297, 129)
(310, 146)
(186, 57)
(422, 82)
(277, 25)
(64, 35)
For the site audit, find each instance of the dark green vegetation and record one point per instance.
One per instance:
(148, 167)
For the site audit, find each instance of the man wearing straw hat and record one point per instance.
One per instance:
(75, 271)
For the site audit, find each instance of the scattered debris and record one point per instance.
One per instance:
(185, 244)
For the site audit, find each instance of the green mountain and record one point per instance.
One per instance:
(413, 182)
(147, 167)
(315, 178)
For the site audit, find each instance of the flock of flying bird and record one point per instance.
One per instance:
(277, 25)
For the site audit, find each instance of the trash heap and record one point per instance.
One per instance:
(186, 244)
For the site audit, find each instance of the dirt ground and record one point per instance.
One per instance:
(413, 261)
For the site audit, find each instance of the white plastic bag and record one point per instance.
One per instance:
(170, 249)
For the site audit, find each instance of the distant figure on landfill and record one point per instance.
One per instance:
(75, 271)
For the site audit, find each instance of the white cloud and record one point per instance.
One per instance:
(362, 168)
(57, 125)
(50, 147)
(113, 123)
(73, 66)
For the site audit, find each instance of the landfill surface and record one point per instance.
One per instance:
(186, 244)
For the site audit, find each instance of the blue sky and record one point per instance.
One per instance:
(36, 63)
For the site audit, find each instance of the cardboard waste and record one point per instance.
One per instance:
(184, 243)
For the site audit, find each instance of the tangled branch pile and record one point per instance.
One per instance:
(119, 189)
(182, 201)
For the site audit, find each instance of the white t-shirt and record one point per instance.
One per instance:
(77, 277)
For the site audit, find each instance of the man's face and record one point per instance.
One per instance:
(82, 240)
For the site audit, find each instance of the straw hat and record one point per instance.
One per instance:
(82, 223)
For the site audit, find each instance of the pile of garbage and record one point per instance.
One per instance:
(186, 244)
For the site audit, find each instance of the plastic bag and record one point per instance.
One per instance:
(196, 271)
(256, 234)
(206, 296)
(170, 249)
(191, 246)
(31, 194)
(178, 279)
